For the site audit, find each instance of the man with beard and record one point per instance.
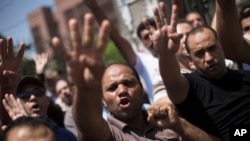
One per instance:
(119, 89)
(214, 91)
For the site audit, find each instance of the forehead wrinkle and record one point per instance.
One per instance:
(201, 40)
(116, 73)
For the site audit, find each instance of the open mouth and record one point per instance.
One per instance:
(211, 67)
(35, 108)
(124, 103)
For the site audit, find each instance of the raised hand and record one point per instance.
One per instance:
(13, 106)
(84, 63)
(9, 64)
(165, 36)
(41, 60)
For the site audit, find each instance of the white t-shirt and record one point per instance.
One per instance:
(147, 67)
(63, 106)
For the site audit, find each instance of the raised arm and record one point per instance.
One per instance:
(41, 61)
(230, 33)
(121, 43)
(85, 67)
(10, 65)
(9, 71)
(166, 42)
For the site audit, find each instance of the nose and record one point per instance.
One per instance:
(32, 97)
(208, 57)
(122, 90)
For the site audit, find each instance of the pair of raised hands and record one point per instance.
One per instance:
(84, 62)
(85, 65)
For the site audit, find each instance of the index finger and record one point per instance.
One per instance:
(88, 30)
(103, 36)
(148, 26)
(10, 53)
(174, 18)
(20, 53)
(75, 35)
(164, 14)
(1, 49)
(60, 49)
(157, 18)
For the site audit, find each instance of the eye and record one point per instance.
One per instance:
(198, 19)
(129, 83)
(24, 95)
(211, 48)
(247, 28)
(199, 53)
(38, 92)
(146, 37)
(112, 88)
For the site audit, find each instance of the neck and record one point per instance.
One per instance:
(137, 121)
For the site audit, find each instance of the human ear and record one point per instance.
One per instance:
(104, 103)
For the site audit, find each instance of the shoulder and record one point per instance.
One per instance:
(63, 133)
(193, 77)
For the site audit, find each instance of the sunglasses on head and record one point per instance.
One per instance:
(38, 92)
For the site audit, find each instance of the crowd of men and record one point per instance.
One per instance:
(196, 80)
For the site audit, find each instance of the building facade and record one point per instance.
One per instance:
(45, 23)
(124, 14)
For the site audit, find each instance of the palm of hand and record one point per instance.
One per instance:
(84, 64)
(9, 63)
(87, 62)
(165, 34)
(41, 60)
(13, 106)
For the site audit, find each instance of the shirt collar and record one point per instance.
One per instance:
(122, 125)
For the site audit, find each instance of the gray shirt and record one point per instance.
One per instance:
(121, 131)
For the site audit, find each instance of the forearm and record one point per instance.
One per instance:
(87, 113)
(233, 44)
(170, 73)
(190, 132)
(121, 43)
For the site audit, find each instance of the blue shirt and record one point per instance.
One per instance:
(62, 134)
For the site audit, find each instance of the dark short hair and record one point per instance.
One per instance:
(198, 30)
(244, 8)
(29, 80)
(244, 16)
(141, 26)
(25, 121)
(129, 66)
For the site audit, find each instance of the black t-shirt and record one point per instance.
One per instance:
(218, 104)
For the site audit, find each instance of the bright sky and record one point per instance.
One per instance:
(14, 21)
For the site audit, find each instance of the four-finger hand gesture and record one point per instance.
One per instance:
(9, 64)
(13, 106)
(41, 60)
(84, 63)
(165, 35)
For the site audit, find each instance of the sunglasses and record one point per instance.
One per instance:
(26, 94)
